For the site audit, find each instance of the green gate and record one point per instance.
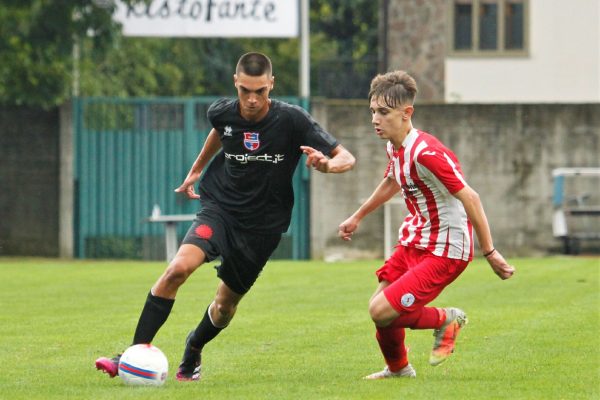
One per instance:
(130, 155)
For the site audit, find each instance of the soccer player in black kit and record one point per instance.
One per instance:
(247, 198)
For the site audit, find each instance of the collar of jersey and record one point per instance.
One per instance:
(408, 141)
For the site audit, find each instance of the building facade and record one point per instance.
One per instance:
(496, 51)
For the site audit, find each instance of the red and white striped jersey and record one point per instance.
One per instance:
(429, 173)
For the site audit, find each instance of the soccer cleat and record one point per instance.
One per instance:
(406, 372)
(445, 336)
(190, 368)
(109, 365)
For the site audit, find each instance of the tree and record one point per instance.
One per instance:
(352, 26)
(36, 44)
(37, 38)
(180, 67)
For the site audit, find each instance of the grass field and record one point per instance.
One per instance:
(303, 332)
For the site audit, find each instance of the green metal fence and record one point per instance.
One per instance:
(130, 155)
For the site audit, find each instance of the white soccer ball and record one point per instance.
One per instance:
(143, 365)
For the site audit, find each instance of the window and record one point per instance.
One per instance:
(463, 26)
(513, 25)
(488, 27)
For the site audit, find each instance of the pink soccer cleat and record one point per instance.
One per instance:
(109, 365)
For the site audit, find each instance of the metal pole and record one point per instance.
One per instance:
(301, 241)
(387, 228)
(304, 50)
(384, 6)
(76, 57)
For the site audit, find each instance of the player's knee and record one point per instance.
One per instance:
(381, 312)
(177, 273)
(224, 312)
(376, 312)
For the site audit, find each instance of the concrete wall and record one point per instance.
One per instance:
(29, 183)
(507, 153)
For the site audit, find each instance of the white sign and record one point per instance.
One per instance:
(210, 18)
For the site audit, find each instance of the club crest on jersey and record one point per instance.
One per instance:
(251, 140)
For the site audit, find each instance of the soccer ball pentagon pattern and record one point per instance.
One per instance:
(143, 365)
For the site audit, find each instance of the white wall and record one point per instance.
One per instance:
(563, 65)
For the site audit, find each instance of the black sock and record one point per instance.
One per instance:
(205, 332)
(155, 313)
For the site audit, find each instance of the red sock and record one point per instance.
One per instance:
(423, 318)
(391, 343)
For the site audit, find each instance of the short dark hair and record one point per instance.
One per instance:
(395, 88)
(254, 64)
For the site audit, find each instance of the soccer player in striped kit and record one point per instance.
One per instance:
(435, 240)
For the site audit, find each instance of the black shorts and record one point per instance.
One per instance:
(243, 253)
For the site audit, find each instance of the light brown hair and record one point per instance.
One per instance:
(394, 88)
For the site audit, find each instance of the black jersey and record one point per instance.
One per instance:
(251, 176)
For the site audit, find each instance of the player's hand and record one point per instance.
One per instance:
(347, 228)
(500, 266)
(315, 159)
(187, 188)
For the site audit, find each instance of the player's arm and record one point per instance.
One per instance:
(382, 193)
(474, 209)
(212, 144)
(341, 160)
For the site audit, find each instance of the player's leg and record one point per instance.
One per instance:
(410, 294)
(391, 343)
(159, 301)
(390, 338)
(445, 335)
(216, 318)
(244, 256)
(224, 306)
(162, 295)
(202, 243)
(390, 325)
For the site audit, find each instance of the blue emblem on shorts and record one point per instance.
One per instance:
(251, 140)
(407, 299)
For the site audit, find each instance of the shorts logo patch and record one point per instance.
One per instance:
(204, 232)
(407, 299)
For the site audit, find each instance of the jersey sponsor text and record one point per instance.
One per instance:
(246, 158)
